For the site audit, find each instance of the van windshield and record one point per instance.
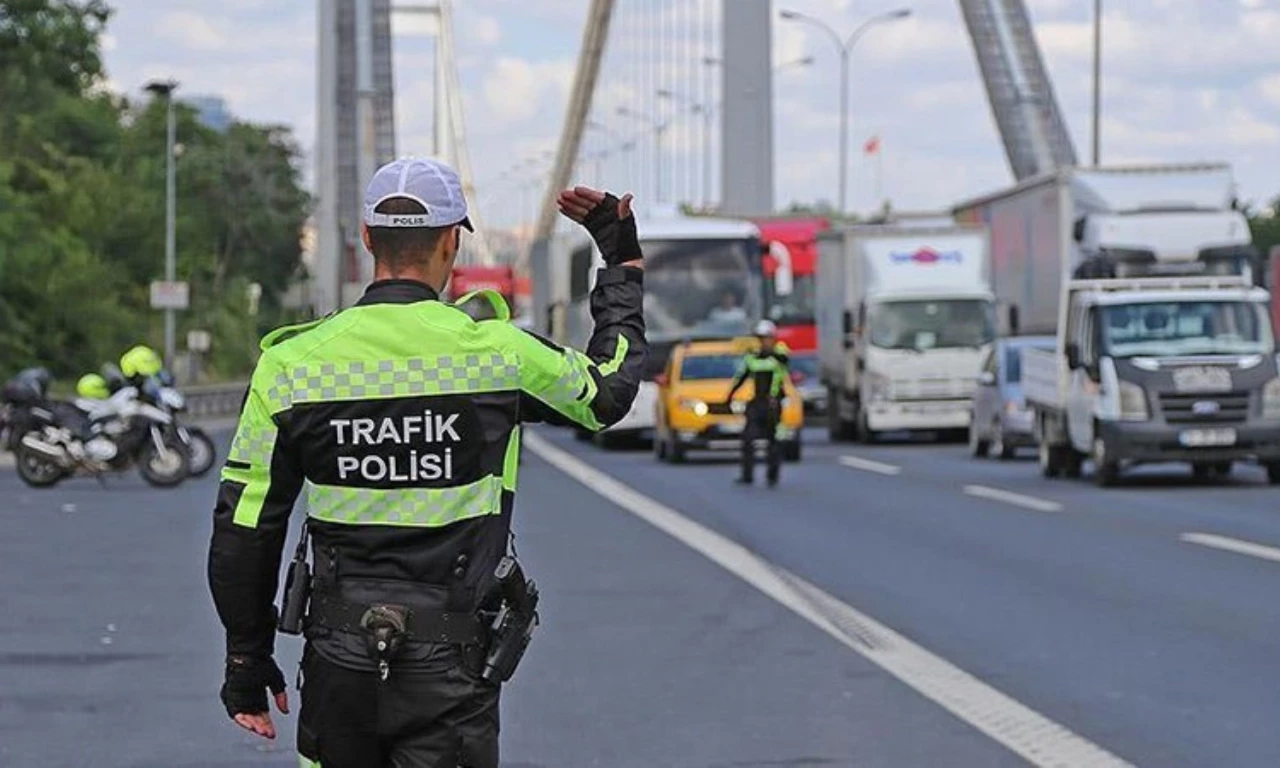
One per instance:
(932, 324)
(1186, 328)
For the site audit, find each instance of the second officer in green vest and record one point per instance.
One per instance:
(766, 369)
(400, 417)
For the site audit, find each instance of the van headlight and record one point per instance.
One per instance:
(1133, 402)
(698, 407)
(1271, 399)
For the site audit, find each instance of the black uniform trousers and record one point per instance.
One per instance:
(762, 424)
(438, 714)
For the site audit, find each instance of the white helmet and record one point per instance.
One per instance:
(766, 328)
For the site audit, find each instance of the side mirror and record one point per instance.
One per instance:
(1013, 320)
(783, 278)
(847, 329)
(987, 379)
(1073, 355)
(1077, 230)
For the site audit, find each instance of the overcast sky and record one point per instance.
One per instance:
(1185, 80)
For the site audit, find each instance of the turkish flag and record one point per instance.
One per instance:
(872, 146)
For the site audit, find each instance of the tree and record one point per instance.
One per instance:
(82, 206)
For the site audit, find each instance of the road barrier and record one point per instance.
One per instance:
(212, 400)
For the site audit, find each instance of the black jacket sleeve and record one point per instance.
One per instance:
(595, 388)
(261, 481)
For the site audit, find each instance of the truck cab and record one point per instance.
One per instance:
(1156, 369)
(905, 317)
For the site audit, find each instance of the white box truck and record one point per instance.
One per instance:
(1148, 279)
(905, 315)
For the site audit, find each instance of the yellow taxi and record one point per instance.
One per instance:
(692, 412)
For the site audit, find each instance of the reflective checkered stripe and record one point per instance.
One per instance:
(253, 443)
(410, 507)
(366, 380)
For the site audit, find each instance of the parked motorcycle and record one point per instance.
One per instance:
(201, 453)
(52, 440)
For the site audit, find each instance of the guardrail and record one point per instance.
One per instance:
(210, 400)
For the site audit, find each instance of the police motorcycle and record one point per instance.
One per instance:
(159, 391)
(53, 439)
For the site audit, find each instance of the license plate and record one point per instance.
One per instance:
(1203, 438)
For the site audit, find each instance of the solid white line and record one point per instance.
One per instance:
(1038, 740)
(1239, 546)
(1009, 497)
(854, 462)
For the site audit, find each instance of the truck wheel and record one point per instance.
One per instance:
(838, 430)
(1053, 460)
(977, 446)
(864, 432)
(1073, 464)
(1105, 469)
(1273, 473)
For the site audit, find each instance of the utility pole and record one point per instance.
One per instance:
(1097, 80)
(845, 47)
(165, 89)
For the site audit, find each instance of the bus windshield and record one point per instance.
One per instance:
(700, 287)
(797, 307)
(932, 324)
(1186, 328)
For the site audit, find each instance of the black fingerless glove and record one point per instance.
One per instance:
(244, 691)
(616, 238)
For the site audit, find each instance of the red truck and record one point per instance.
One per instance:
(793, 242)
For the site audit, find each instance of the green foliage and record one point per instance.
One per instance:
(82, 206)
(1265, 227)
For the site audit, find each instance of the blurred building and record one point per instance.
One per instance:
(211, 111)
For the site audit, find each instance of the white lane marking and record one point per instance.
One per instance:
(1009, 497)
(1037, 739)
(855, 462)
(1228, 544)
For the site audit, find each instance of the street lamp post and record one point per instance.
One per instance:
(165, 89)
(708, 113)
(845, 47)
(1097, 79)
(659, 131)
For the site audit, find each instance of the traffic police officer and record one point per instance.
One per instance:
(766, 367)
(401, 418)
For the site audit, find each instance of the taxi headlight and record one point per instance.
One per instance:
(698, 407)
(1133, 402)
(738, 406)
(1271, 399)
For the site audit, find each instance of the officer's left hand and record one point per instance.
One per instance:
(244, 693)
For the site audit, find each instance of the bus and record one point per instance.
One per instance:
(790, 279)
(703, 279)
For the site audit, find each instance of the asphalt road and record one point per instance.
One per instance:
(1138, 620)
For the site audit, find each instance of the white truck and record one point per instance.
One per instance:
(1148, 279)
(905, 315)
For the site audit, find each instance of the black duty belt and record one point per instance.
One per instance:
(424, 625)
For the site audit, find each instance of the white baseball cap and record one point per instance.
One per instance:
(431, 184)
